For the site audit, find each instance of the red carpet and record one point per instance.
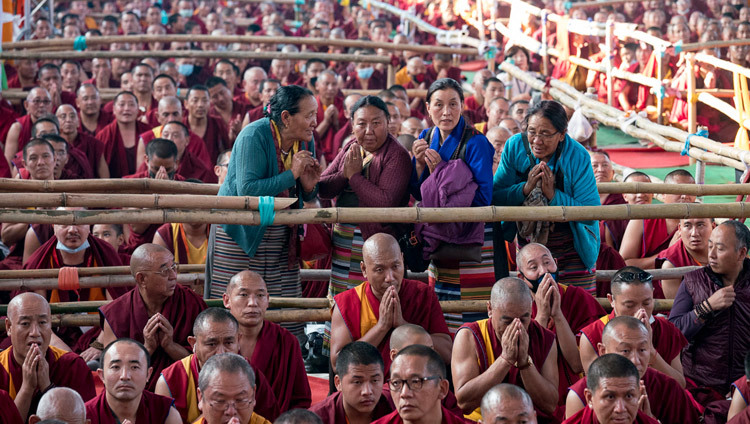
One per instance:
(641, 157)
(319, 388)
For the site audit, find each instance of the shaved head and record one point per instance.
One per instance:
(241, 276)
(28, 300)
(168, 101)
(378, 244)
(506, 402)
(142, 257)
(510, 290)
(213, 315)
(531, 250)
(623, 321)
(64, 404)
(409, 334)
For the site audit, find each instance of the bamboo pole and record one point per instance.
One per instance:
(599, 3)
(381, 215)
(149, 201)
(691, 47)
(243, 39)
(11, 274)
(200, 54)
(104, 281)
(660, 77)
(134, 185)
(617, 73)
(691, 97)
(663, 188)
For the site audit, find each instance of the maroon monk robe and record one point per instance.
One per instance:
(239, 109)
(216, 138)
(667, 339)
(105, 118)
(453, 72)
(343, 135)
(580, 309)
(255, 114)
(656, 236)
(66, 369)
(8, 411)
(277, 354)
(587, 416)
(180, 252)
(152, 409)
(195, 145)
(137, 239)
(127, 316)
(448, 418)
(25, 135)
(179, 385)
(121, 160)
(609, 258)
(741, 418)
(144, 173)
(677, 255)
(471, 103)
(331, 409)
(78, 166)
(109, 106)
(669, 402)
(188, 167)
(742, 388)
(540, 344)
(449, 402)
(429, 315)
(91, 148)
(7, 117)
(615, 227)
(325, 140)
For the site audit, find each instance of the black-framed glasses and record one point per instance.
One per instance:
(413, 383)
(543, 135)
(164, 272)
(238, 404)
(629, 276)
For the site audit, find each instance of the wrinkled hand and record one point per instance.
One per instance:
(353, 162)
(235, 126)
(523, 345)
(432, 159)
(535, 175)
(151, 335)
(722, 298)
(548, 181)
(543, 311)
(42, 372)
(386, 310)
(91, 354)
(311, 176)
(166, 331)
(553, 297)
(398, 316)
(300, 161)
(28, 368)
(509, 341)
(419, 148)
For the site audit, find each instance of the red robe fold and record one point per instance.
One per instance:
(448, 418)
(429, 315)
(66, 369)
(325, 140)
(127, 315)
(7, 117)
(137, 239)
(378, 81)
(742, 388)
(669, 402)
(152, 409)
(121, 160)
(741, 418)
(656, 236)
(78, 166)
(471, 103)
(239, 109)
(105, 118)
(195, 146)
(91, 148)
(587, 416)
(609, 258)
(331, 409)
(580, 309)
(25, 135)
(8, 412)
(677, 255)
(216, 139)
(255, 114)
(182, 386)
(180, 251)
(667, 339)
(615, 227)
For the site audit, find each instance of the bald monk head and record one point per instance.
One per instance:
(407, 335)
(215, 332)
(169, 109)
(246, 297)
(628, 336)
(382, 263)
(360, 373)
(155, 273)
(29, 325)
(226, 379)
(507, 404)
(613, 389)
(632, 293)
(60, 403)
(535, 262)
(298, 416)
(510, 304)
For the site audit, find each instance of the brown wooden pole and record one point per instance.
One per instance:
(135, 185)
(199, 54)
(103, 281)
(147, 201)
(9, 274)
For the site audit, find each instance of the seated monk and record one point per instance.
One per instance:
(88, 146)
(126, 367)
(227, 376)
(215, 331)
(170, 110)
(560, 308)
(740, 395)
(412, 334)
(189, 165)
(496, 112)
(93, 118)
(121, 136)
(272, 350)
(613, 394)
(60, 404)
(158, 312)
(223, 106)
(115, 236)
(370, 311)
(11, 415)
(162, 86)
(31, 366)
(633, 295)
(507, 403)
(690, 250)
(70, 164)
(645, 238)
(359, 383)
(268, 88)
(493, 89)
(666, 400)
(508, 347)
(187, 242)
(421, 372)
(37, 104)
(610, 231)
(208, 127)
(161, 161)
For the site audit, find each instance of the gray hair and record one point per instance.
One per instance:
(62, 403)
(741, 233)
(224, 362)
(510, 289)
(496, 395)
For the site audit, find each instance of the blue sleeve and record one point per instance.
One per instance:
(682, 315)
(251, 166)
(415, 181)
(478, 157)
(507, 185)
(583, 183)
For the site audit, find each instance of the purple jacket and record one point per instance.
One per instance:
(452, 185)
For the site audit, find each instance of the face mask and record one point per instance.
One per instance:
(186, 69)
(535, 283)
(66, 249)
(221, 48)
(186, 13)
(137, 12)
(365, 73)
(419, 78)
(313, 81)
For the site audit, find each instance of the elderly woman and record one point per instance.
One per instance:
(274, 156)
(370, 171)
(452, 138)
(544, 166)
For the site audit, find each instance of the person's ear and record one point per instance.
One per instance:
(364, 269)
(337, 382)
(489, 309)
(99, 371)
(225, 300)
(600, 348)
(150, 371)
(393, 354)
(200, 399)
(611, 300)
(191, 341)
(589, 397)
(7, 325)
(34, 419)
(444, 388)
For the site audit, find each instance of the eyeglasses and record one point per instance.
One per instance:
(543, 135)
(37, 102)
(628, 276)
(414, 383)
(238, 404)
(165, 271)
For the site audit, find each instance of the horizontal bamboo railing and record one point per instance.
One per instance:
(102, 281)
(152, 201)
(200, 54)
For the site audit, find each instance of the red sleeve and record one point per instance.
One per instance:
(8, 412)
(72, 371)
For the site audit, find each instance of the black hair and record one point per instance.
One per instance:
(266, 81)
(618, 280)
(37, 142)
(72, 62)
(631, 46)
(139, 64)
(126, 340)
(161, 148)
(180, 124)
(48, 66)
(397, 87)
(443, 57)
(515, 49)
(57, 139)
(117, 227)
(435, 364)
(610, 365)
(68, 16)
(314, 60)
(196, 87)
(121, 93)
(298, 416)
(287, 98)
(229, 62)
(406, 140)
(214, 314)
(678, 173)
(741, 232)
(130, 12)
(111, 18)
(189, 25)
(160, 76)
(370, 101)
(387, 95)
(214, 81)
(601, 152)
(634, 174)
(490, 80)
(445, 84)
(46, 118)
(358, 353)
(553, 111)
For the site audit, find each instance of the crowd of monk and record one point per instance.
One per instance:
(545, 350)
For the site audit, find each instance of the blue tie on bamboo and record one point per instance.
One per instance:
(701, 133)
(266, 210)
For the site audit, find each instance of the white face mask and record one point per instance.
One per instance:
(64, 248)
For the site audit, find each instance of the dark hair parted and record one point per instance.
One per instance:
(445, 84)
(373, 101)
(611, 365)
(551, 110)
(287, 98)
